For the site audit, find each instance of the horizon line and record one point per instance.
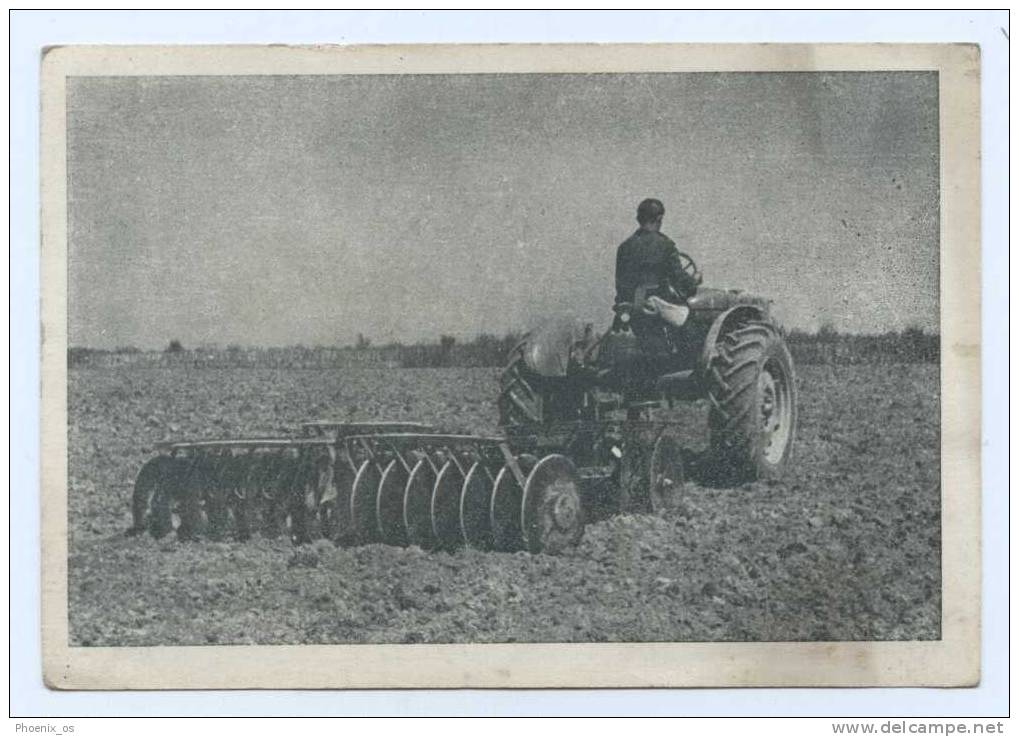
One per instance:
(471, 341)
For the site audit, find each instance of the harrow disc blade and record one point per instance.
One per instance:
(389, 504)
(504, 510)
(475, 500)
(321, 496)
(164, 501)
(277, 496)
(217, 495)
(417, 505)
(362, 503)
(667, 474)
(234, 474)
(248, 497)
(445, 507)
(258, 492)
(336, 504)
(302, 500)
(201, 478)
(155, 473)
(269, 466)
(238, 474)
(552, 517)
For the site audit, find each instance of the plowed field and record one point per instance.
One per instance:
(845, 547)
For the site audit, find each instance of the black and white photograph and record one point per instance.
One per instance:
(541, 356)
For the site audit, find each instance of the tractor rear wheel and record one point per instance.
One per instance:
(751, 384)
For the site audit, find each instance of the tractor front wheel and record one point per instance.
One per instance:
(527, 398)
(520, 394)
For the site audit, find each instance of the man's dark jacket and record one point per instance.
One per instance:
(648, 257)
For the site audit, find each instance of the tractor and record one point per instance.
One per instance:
(582, 433)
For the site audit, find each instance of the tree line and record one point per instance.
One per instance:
(828, 346)
(824, 346)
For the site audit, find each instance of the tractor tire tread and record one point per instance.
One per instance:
(732, 373)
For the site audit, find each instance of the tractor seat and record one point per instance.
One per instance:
(672, 314)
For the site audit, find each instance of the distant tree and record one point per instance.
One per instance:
(77, 355)
(827, 333)
(446, 345)
(913, 334)
(918, 345)
(363, 342)
(485, 341)
(175, 347)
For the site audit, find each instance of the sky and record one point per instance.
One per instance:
(281, 210)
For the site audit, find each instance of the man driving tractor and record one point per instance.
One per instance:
(653, 276)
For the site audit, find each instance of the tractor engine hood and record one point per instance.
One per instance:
(548, 348)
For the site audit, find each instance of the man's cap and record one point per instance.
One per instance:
(649, 210)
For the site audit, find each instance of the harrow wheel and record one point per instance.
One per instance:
(445, 507)
(666, 474)
(552, 518)
(635, 469)
(389, 504)
(417, 505)
(652, 475)
(362, 503)
(507, 502)
(475, 501)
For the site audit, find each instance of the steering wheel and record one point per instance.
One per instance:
(688, 266)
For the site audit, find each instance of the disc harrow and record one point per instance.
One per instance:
(361, 483)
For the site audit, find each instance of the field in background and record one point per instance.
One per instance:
(845, 547)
